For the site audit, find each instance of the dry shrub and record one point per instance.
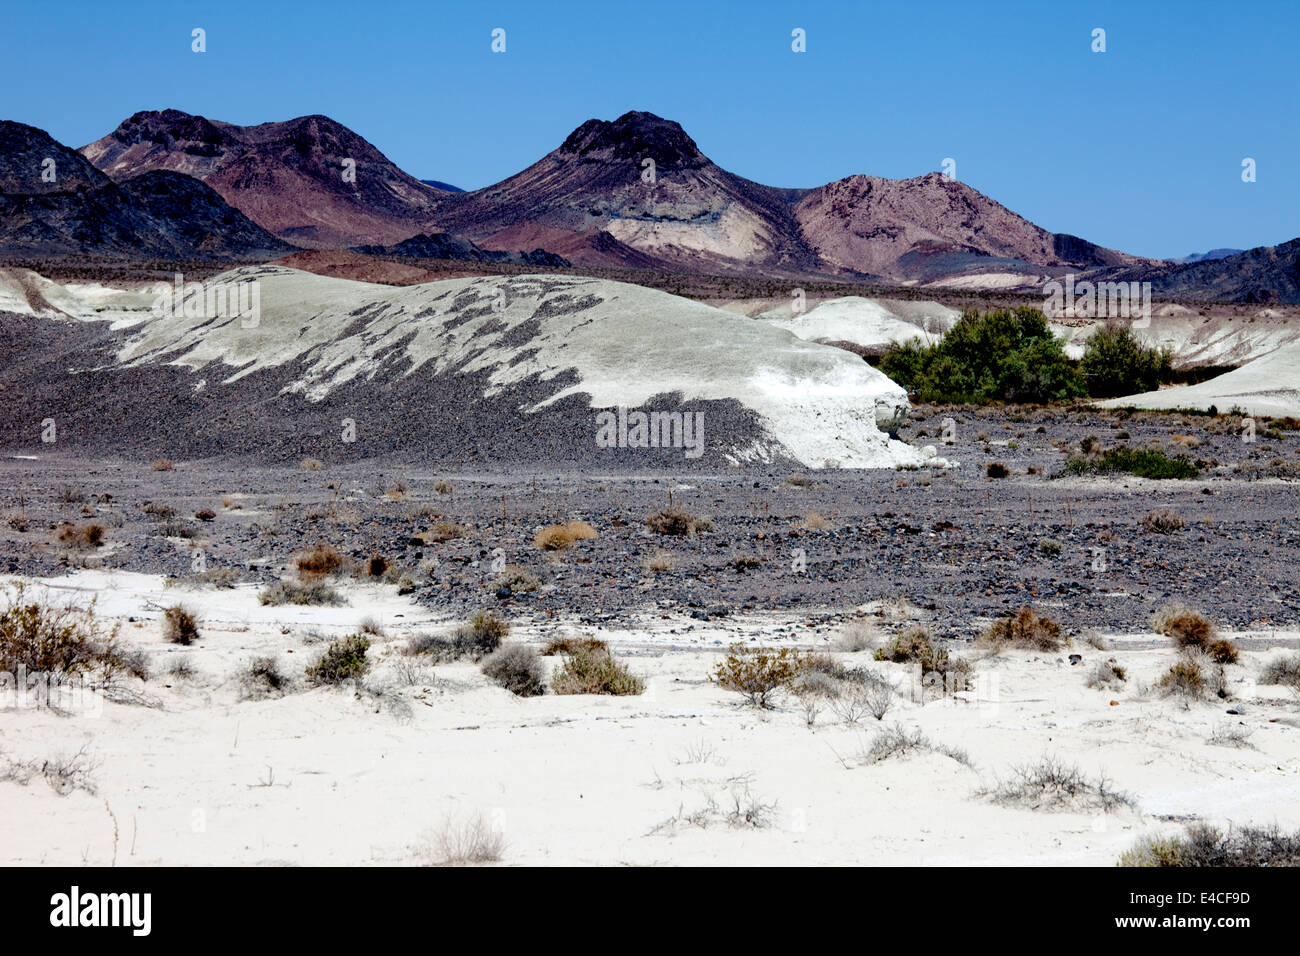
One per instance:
(262, 677)
(914, 644)
(758, 672)
(517, 668)
(518, 579)
(1106, 675)
(442, 487)
(558, 537)
(590, 669)
(311, 464)
(1282, 670)
(671, 520)
(306, 593)
(445, 531)
(569, 645)
(1052, 784)
(1162, 521)
(1192, 676)
(1206, 846)
(660, 562)
(80, 537)
(56, 640)
(798, 480)
(470, 841)
(857, 636)
(1185, 626)
(996, 469)
(180, 625)
(397, 492)
(1025, 629)
(162, 464)
(377, 566)
(816, 521)
(480, 637)
(319, 561)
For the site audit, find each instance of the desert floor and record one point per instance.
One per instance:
(181, 770)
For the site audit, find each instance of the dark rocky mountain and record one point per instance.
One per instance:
(53, 202)
(1268, 274)
(444, 245)
(309, 180)
(1207, 256)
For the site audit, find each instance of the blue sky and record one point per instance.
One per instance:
(1138, 148)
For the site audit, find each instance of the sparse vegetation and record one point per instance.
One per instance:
(305, 592)
(262, 677)
(1162, 521)
(477, 639)
(344, 659)
(162, 464)
(1115, 363)
(318, 561)
(1051, 784)
(898, 741)
(661, 562)
(466, 842)
(517, 668)
(559, 537)
(816, 521)
(1107, 675)
(758, 672)
(672, 521)
(995, 470)
(1186, 627)
(590, 668)
(80, 537)
(1142, 462)
(180, 625)
(1207, 846)
(1026, 629)
(311, 464)
(442, 487)
(1283, 670)
(61, 641)
(517, 579)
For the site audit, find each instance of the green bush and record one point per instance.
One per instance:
(1115, 363)
(1143, 462)
(344, 659)
(1003, 355)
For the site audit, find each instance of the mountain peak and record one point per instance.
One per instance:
(632, 137)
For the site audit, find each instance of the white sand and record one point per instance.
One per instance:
(324, 776)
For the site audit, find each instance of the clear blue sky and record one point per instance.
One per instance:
(1138, 148)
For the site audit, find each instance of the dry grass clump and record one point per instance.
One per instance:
(897, 741)
(672, 520)
(517, 668)
(1107, 675)
(661, 562)
(1206, 846)
(344, 659)
(180, 625)
(568, 645)
(1282, 670)
(311, 464)
(517, 579)
(480, 637)
(758, 672)
(318, 561)
(1162, 521)
(592, 669)
(558, 537)
(159, 509)
(857, 636)
(261, 677)
(397, 491)
(1193, 676)
(914, 644)
(467, 842)
(1051, 784)
(80, 537)
(306, 593)
(445, 531)
(816, 521)
(1190, 628)
(442, 487)
(1025, 629)
(798, 480)
(995, 469)
(162, 464)
(18, 520)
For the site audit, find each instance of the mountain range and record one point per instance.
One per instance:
(632, 193)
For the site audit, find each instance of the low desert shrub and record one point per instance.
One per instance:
(671, 521)
(442, 487)
(1283, 670)
(318, 561)
(858, 636)
(898, 741)
(567, 645)
(1050, 547)
(44, 638)
(588, 669)
(262, 677)
(80, 537)
(344, 659)
(477, 639)
(995, 469)
(1162, 521)
(660, 562)
(1025, 629)
(459, 843)
(1186, 627)
(311, 464)
(517, 668)
(559, 537)
(1206, 846)
(162, 464)
(519, 580)
(816, 521)
(1142, 462)
(306, 592)
(180, 625)
(1107, 675)
(1051, 784)
(758, 672)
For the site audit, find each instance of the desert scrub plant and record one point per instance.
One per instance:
(44, 638)
(480, 637)
(18, 520)
(1207, 846)
(262, 677)
(671, 521)
(180, 625)
(758, 672)
(305, 592)
(816, 521)
(567, 645)
(913, 644)
(80, 537)
(856, 636)
(318, 561)
(1162, 521)
(1283, 670)
(995, 469)
(1025, 629)
(458, 843)
(442, 487)
(344, 659)
(661, 562)
(1189, 628)
(590, 669)
(445, 531)
(1142, 462)
(1228, 734)
(1107, 675)
(559, 537)
(311, 464)
(897, 741)
(1051, 784)
(516, 579)
(1050, 547)
(1193, 676)
(162, 464)
(517, 668)
(212, 577)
